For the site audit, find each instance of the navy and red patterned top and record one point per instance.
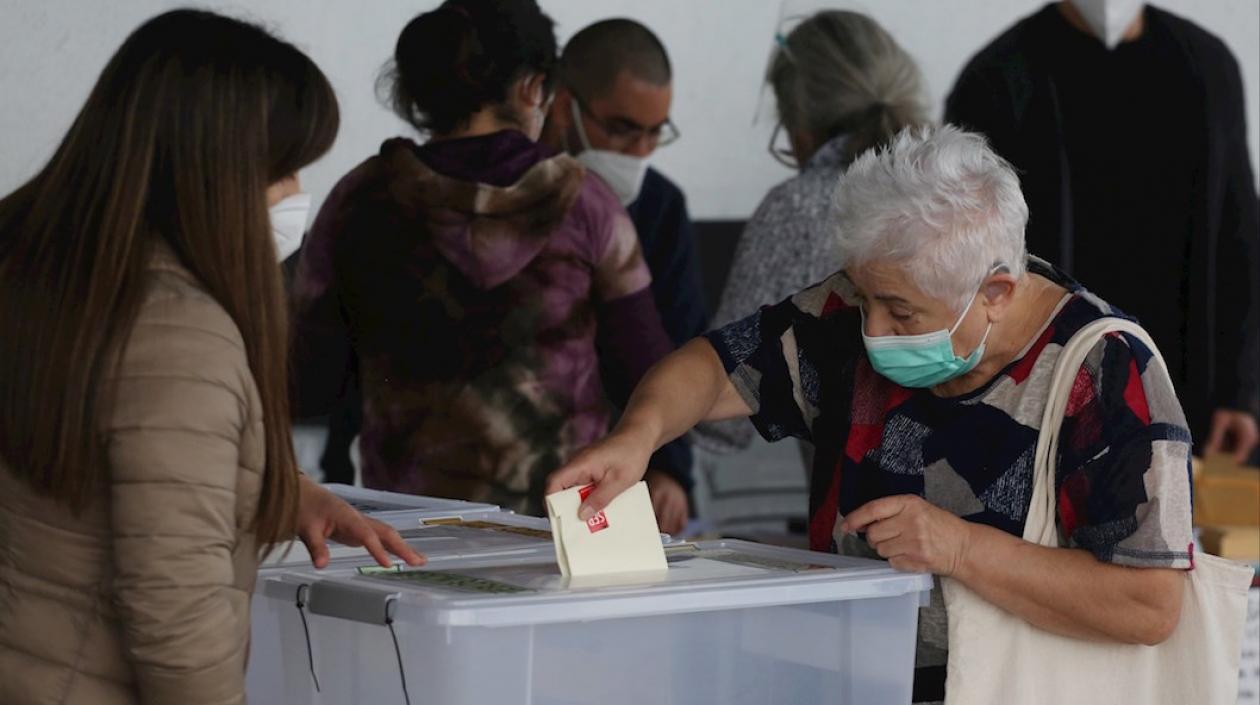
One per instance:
(1123, 475)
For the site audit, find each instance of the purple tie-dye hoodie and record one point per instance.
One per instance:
(468, 281)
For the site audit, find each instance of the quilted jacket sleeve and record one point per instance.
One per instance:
(181, 407)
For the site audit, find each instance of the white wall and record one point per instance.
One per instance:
(52, 50)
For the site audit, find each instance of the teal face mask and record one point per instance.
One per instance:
(918, 361)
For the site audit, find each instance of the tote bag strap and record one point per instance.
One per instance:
(1040, 525)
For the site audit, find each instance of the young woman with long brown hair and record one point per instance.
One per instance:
(145, 455)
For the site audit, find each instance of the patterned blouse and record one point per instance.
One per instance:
(785, 247)
(1123, 475)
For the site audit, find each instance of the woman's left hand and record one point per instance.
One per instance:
(912, 534)
(323, 515)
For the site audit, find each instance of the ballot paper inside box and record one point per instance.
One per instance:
(727, 622)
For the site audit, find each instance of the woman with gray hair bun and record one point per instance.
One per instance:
(923, 371)
(842, 86)
(839, 78)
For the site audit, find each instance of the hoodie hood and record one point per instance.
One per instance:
(490, 204)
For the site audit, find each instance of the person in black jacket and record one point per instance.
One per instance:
(611, 112)
(1127, 126)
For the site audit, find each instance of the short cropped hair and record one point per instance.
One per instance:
(595, 56)
(940, 203)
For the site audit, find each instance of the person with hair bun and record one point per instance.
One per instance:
(842, 86)
(465, 280)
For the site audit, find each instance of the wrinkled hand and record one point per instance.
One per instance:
(323, 515)
(1234, 433)
(613, 465)
(669, 500)
(914, 535)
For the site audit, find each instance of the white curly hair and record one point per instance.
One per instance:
(939, 203)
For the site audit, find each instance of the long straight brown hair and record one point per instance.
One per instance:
(191, 120)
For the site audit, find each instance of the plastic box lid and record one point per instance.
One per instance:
(449, 536)
(526, 588)
(377, 502)
(439, 537)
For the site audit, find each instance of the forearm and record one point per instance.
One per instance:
(687, 387)
(1069, 591)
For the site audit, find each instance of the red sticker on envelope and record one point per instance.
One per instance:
(599, 522)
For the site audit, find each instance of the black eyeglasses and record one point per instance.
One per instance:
(623, 134)
(782, 155)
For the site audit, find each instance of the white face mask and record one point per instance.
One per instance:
(1109, 19)
(623, 173)
(288, 223)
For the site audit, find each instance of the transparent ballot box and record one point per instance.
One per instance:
(440, 538)
(729, 622)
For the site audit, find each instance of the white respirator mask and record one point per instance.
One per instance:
(288, 223)
(1109, 19)
(623, 173)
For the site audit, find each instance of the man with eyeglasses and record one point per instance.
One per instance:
(611, 111)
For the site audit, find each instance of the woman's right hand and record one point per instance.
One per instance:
(613, 465)
(690, 385)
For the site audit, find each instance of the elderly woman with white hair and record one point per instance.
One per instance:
(920, 370)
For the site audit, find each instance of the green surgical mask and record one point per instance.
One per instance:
(920, 361)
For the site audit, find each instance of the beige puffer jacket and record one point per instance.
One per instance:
(144, 597)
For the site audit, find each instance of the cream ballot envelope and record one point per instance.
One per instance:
(623, 538)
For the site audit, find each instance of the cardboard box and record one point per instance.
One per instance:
(1226, 494)
(1239, 543)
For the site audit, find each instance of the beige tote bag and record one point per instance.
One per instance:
(995, 657)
